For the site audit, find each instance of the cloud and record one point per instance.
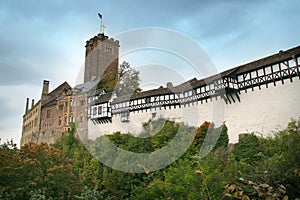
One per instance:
(36, 41)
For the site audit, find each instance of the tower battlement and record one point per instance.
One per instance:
(97, 40)
(101, 57)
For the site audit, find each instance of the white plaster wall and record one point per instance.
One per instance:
(134, 125)
(265, 110)
(260, 111)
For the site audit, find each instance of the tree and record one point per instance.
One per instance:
(129, 80)
(36, 170)
(108, 82)
(247, 150)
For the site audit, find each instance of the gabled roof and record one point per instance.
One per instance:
(57, 92)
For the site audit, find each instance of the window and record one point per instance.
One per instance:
(61, 106)
(81, 117)
(153, 115)
(125, 117)
(48, 113)
(72, 119)
(65, 119)
(82, 102)
(99, 110)
(72, 102)
(108, 49)
(35, 122)
(95, 110)
(148, 100)
(59, 120)
(253, 74)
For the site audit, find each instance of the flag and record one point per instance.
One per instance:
(100, 16)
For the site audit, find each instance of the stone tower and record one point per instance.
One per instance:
(101, 57)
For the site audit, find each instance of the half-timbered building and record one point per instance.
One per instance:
(250, 95)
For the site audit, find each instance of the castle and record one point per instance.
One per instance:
(57, 111)
(255, 97)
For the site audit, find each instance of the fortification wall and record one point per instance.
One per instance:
(260, 111)
(264, 110)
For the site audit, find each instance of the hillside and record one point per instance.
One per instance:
(255, 168)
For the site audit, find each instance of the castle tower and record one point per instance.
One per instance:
(101, 57)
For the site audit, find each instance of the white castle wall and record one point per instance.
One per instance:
(264, 110)
(261, 111)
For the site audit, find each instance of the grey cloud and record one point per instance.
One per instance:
(50, 10)
(24, 60)
(32, 40)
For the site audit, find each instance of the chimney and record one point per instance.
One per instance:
(169, 85)
(27, 104)
(45, 90)
(32, 103)
(45, 87)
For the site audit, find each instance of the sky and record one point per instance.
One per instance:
(45, 39)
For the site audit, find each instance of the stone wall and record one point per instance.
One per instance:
(101, 57)
(31, 123)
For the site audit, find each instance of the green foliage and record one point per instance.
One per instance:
(124, 82)
(180, 182)
(272, 162)
(256, 168)
(247, 150)
(108, 82)
(129, 80)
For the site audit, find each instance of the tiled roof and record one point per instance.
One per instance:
(103, 98)
(275, 58)
(50, 103)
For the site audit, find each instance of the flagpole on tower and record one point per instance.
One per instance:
(101, 25)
